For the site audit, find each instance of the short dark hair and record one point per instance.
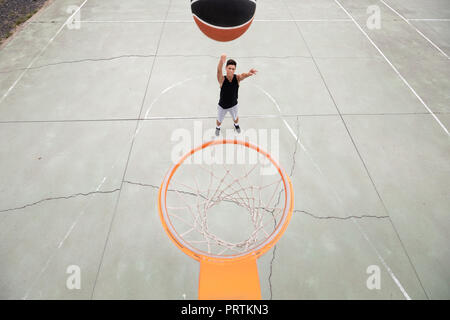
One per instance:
(232, 62)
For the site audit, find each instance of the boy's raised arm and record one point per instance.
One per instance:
(219, 68)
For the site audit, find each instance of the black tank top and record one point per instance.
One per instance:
(229, 93)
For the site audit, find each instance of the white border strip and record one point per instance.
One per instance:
(395, 69)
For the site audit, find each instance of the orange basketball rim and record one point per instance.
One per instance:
(233, 276)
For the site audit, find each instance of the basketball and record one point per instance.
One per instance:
(223, 20)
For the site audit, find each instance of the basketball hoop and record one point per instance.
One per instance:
(218, 208)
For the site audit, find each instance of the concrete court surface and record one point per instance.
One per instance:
(87, 112)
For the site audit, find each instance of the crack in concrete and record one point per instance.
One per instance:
(340, 218)
(290, 175)
(195, 195)
(79, 61)
(57, 198)
(364, 216)
(296, 147)
(270, 272)
(141, 184)
(142, 56)
(174, 56)
(171, 190)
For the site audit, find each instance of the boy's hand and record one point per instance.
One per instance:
(223, 58)
(252, 71)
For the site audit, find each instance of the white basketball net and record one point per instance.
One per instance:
(225, 209)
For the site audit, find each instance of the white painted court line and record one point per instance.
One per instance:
(40, 53)
(417, 30)
(395, 69)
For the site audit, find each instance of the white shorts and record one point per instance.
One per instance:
(221, 112)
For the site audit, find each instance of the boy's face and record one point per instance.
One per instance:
(230, 69)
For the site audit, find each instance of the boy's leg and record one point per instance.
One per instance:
(234, 114)
(220, 115)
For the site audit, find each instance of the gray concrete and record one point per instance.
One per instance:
(89, 118)
(322, 9)
(437, 9)
(336, 40)
(70, 91)
(131, 10)
(347, 76)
